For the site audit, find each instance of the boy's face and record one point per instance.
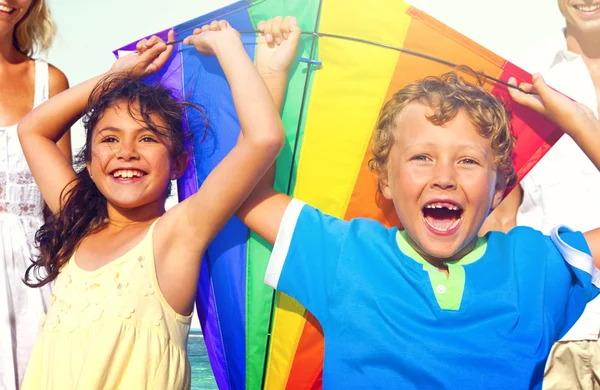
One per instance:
(442, 180)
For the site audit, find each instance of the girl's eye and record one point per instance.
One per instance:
(148, 139)
(109, 139)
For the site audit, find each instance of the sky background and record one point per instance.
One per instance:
(89, 30)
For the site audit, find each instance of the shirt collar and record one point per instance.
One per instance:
(562, 53)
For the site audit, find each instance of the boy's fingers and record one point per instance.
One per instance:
(276, 29)
(294, 28)
(285, 27)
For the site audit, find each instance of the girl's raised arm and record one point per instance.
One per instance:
(190, 226)
(40, 130)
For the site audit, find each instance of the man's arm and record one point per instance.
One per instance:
(504, 217)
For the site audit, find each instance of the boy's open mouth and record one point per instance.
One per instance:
(442, 217)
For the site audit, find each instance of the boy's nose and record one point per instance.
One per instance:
(445, 177)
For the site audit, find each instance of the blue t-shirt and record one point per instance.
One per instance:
(384, 327)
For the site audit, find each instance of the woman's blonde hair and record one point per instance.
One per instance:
(36, 30)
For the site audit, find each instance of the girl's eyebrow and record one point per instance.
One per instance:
(119, 130)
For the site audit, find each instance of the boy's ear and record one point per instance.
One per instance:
(384, 187)
(180, 165)
(498, 193)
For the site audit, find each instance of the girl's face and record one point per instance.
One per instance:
(11, 12)
(131, 165)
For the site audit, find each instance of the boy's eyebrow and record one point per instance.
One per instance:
(432, 144)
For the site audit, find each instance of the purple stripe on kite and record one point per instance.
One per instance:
(205, 305)
(205, 84)
(131, 47)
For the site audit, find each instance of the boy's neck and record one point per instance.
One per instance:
(441, 263)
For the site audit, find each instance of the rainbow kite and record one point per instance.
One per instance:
(255, 338)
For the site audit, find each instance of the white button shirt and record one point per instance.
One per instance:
(564, 187)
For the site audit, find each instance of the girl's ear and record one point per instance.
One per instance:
(179, 166)
(88, 166)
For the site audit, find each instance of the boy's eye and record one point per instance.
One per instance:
(420, 157)
(468, 161)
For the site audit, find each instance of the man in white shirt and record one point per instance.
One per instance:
(565, 186)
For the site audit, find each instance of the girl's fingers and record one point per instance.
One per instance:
(197, 31)
(261, 26)
(223, 24)
(214, 25)
(268, 31)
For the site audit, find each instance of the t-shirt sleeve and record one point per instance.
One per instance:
(572, 254)
(305, 256)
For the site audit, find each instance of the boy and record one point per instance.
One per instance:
(433, 306)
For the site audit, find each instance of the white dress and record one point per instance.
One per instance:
(21, 214)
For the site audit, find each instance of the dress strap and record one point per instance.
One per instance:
(41, 82)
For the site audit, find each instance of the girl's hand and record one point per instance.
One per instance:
(277, 45)
(208, 37)
(572, 117)
(151, 55)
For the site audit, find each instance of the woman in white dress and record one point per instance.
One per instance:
(25, 26)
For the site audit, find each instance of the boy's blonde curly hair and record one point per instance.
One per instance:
(447, 96)
(36, 30)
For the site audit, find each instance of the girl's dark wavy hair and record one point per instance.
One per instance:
(83, 208)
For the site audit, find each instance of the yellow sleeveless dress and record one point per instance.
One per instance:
(111, 329)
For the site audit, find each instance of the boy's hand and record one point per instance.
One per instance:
(207, 38)
(151, 55)
(277, 46)
(571, 116)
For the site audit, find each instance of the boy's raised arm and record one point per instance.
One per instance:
(577, 120)
(263, 211)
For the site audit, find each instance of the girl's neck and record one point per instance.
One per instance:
(122, 218)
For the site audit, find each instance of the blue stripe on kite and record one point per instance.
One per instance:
(205, 84)
(228, 12)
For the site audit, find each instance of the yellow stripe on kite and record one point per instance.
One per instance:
(346, 97)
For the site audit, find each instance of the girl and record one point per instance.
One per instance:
(126, 271)
(25, 27)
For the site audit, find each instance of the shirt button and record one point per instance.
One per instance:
(440, 289)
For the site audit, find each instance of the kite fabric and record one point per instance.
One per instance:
(257, 338)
